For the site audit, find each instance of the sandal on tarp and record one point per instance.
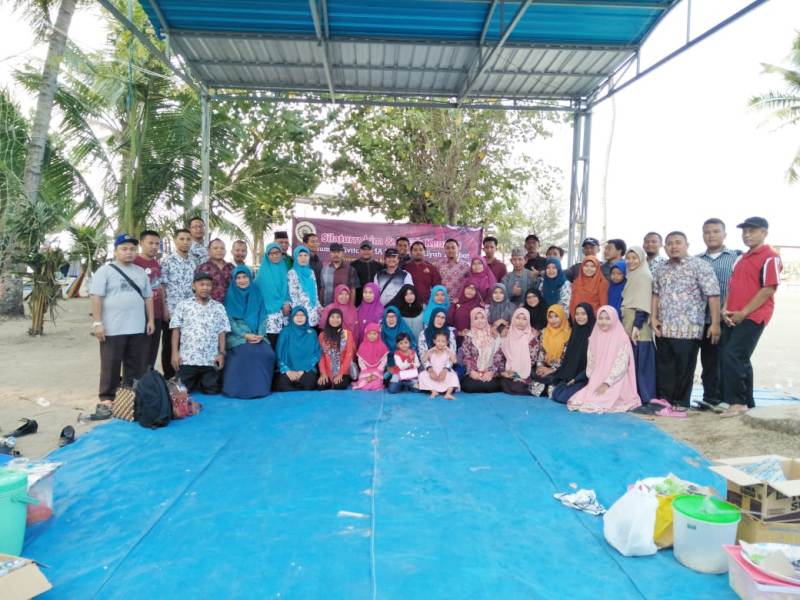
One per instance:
(67, 436)
(671, 411)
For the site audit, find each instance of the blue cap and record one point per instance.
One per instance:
(124, 238)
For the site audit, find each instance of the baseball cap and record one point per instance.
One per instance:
(754, 222)
(391, 252)
(125, 238)
(201, 275)
(336, 247)
(591, 241)
(366, 244)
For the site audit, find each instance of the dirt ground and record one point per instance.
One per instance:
(54, 377)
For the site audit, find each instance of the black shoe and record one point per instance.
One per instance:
(30, 426)
(67, 436)
(101, 413)
(647, 409)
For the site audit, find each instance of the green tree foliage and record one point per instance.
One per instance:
(432, 166)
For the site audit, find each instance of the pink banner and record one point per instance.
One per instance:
(350, 234)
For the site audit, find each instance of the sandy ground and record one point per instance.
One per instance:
(54, 377)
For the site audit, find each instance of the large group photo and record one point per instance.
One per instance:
(441, 299)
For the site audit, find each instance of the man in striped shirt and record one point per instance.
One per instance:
(721, 258)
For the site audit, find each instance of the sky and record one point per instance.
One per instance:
(686, 146)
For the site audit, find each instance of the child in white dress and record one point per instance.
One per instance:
(438, 375)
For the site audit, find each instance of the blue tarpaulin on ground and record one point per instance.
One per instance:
(359, 495)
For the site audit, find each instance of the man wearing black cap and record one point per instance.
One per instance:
(590, 247)
(337, 272)
(122, 309)
(366, 267)
(533, 260)
(282, 239)
(748, 309)
(391, 278)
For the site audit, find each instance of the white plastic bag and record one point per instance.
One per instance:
(629, 523)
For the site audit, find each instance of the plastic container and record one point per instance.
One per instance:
(13, 508)
(702, 525)
(41, 475)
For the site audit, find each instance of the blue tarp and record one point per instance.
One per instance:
(359, 495)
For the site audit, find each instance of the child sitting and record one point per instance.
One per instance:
(372, 354)
(439, 375)
(405, 371)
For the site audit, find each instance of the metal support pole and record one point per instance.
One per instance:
(205, 159)
(573, 187)
(585, 151)
(688, 21)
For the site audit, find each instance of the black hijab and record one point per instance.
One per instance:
(333, 335)
(574, 362)
(408, 311)
(538, 313)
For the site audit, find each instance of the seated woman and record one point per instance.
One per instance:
(552, 345)
(439, 299)
(341, 301)
(298, 354)
(249, 360)
(571, 375)
(610, 368)
(437, 374)
(303, 285)
(481, 356)
(500, 309)
(273, 283)
(553, 284)
(372, 356)
(437, 324)
(635, 319)
(537, 309)
(590, 286)
(337, 347)
(458, 315)
(405, 370)
(370, 310)
(410, 308)
(519, 347)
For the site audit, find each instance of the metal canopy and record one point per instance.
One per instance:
(455, 49)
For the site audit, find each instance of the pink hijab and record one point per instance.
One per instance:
(516, 345)
(372, 353)
(349, 312)
(604, 346)
(485, 281)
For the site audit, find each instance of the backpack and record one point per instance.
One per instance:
(153, 407)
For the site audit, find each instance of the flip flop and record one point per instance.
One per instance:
(30, 426)
(734, 412)
(671, 411)
(647, 409)
(662, 402)
(67, 436)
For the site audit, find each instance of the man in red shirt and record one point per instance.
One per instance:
(496, 266)
(747, 311)
(424, 274)
(149, 245)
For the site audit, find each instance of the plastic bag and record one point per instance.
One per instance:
(629, 524)
(663, 532)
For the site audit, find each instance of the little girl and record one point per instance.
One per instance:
(438, 375)
(405, 371)
(372, 354)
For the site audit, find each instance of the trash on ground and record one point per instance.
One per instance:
(583, 500)
(20, 578)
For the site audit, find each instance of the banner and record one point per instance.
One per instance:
(350, 234)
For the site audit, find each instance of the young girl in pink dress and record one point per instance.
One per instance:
(438, 375)
(372, 353)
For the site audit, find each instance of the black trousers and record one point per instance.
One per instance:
(709, 358)
(153, 342)
(675, 364)
(473, 386)
(307, 382)
(166, 351)
(121, 352)
(337, 386)
(517, 388)
(202, 379)
(738, 344)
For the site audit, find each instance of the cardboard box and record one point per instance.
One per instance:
(753, 531)
(778, 501)
(23, 582)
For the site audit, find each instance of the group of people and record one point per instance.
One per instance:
(617, 334)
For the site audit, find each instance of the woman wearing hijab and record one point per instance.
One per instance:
(590, 286)
(250, 360)
(410, 307)
(609, 367)
(341, 301)
(437, 324)
(571, 375)
(554, 285)
(370, 310)
(519, 348)
(272, 281)
(337, 347)
(500, 309)
(439, 298)
(481, 356)
(298, 354)
(372, 356)
(303, 285)
(392, 326)
(537, 309)
(458, 315)
(617, 277)
(552, 345)
(481, 276)
(636, 298)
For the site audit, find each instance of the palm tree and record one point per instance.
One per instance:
(784, 105)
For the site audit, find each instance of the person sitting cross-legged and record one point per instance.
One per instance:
(298, 354)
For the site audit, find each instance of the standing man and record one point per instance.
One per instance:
(239, 252)
(589, 247)
(177, 273)
(147, 259)
(748, 309)
(519, 280)
(198, 252)
(652, 247)
(496, 266)
(282, 239)
(682, 287)
(122, 309)
(218, 269)
(453, 270)
(613, 251)
(533, 260)
(391, 278)
(311, 241)
(366, 267)
(338, 272)
(721, 259)
(424, 274)
(403, 244)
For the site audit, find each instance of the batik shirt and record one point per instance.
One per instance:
(177, 274)
(298, 297)
(198, 253)
(683, 290)
(453, 276)
(220, 278)
(200, 326)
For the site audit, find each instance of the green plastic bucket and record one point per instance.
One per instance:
(14, 502)
(701, 526)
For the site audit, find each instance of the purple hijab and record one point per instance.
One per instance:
(370, 312)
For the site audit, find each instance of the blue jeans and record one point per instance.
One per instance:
(395, 387)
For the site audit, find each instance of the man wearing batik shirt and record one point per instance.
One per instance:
(747, 311)
(652, 248)
(198, 252)
(424, 274)
(177, 272)
(682, 287)
(219, 270)
(147, 259)
(453, 270)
